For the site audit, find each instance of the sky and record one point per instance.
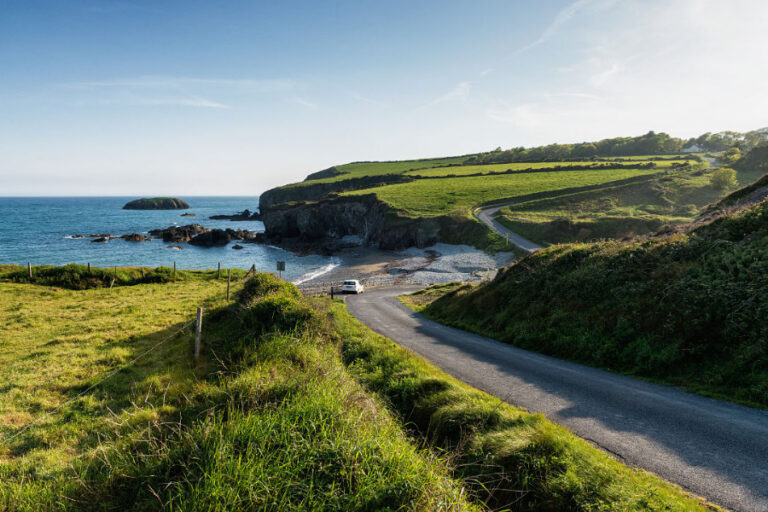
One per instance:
(130, 97)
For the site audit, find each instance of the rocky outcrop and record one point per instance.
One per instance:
(136, 237)
(187, 214)
(156, 203)
(179, 233)
(324, 226)
(101, 240)
(220, 237)
(243, 215)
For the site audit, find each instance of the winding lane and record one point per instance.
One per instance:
(714, 449)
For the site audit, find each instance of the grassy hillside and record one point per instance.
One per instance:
(293, 406)
(427, 198)
(614, 211)
(689, 309)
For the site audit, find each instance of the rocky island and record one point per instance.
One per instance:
(156, 203)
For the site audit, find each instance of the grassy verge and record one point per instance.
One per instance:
(80, 277)
(508, 458)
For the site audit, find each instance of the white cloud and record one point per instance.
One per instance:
(459, 93)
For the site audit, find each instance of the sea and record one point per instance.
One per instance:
(42, 230)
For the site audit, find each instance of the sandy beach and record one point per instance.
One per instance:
(440, 263)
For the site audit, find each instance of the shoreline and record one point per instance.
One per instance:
(437, 264)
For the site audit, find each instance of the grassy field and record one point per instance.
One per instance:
(293, 406)
(426, 198)
(689, 310)
(517, 166)
(268, 420)
(362, 169)
(613, 211)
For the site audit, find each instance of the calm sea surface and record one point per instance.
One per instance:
(38, 230)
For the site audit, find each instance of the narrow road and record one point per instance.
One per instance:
(485, 215)
(714, 449)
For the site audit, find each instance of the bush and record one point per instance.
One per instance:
(724, 179)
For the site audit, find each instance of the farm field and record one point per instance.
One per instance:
(426, 198)
(518, 166)
(616, 211)
(362, 169)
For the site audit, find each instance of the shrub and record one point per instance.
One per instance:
(724, 179)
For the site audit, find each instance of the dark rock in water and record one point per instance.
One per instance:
(187, 215)
(220, 237)
(156, 203)
(135, 237)
(179, 233)
(101, 240)
(238, 247)
(243, 215)
(103, 235)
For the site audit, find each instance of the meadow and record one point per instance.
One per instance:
(292, 406)
(428, 198)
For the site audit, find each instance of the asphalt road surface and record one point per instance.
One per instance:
(485, 215)
(713, 449)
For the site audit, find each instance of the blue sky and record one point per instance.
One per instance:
(134, 97)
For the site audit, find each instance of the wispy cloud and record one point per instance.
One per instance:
(562, 17)
(176, 90)
(179, 82)
(459, 93)
(304, 103)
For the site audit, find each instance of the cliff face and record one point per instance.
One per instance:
(364, 216)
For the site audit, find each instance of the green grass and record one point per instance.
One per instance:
(268, 420)
(517, 166)
(293, 406)
(613, 211)
(510, 459)
(426, 198)
(79, 277)
(362, 169)
(689, 310)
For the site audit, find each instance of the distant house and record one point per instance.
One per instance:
(692, 149)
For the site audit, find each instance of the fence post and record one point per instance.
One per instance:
(229, 278)
(29, 267)
(115, 272)
(174, 270)
(218, 273)
(198, 331)
(89, 267)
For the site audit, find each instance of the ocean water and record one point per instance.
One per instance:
(39, 230)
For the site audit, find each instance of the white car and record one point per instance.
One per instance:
(352, 286)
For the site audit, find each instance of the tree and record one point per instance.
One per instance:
(730, 156)
(724, 179)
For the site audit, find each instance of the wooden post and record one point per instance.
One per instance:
(174, 270)
(331, 291)
(89, 267)
(229, 278)
(198, 331)
(115, 272)
(29, 267)
(218, 274)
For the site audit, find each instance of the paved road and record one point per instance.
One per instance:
(714, 449)
(485, 215)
